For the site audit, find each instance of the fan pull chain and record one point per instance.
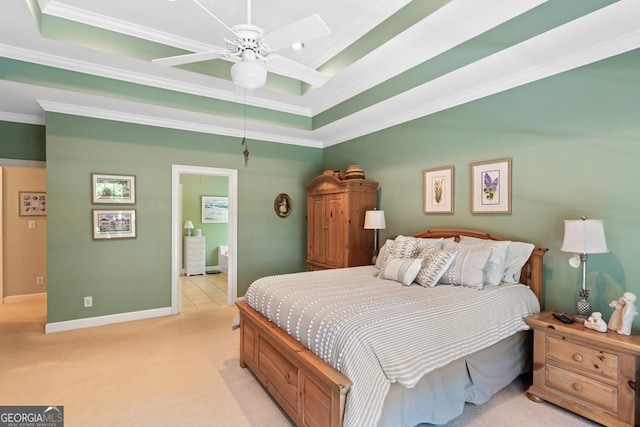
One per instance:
(244, 137)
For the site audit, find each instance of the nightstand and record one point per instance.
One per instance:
(591, 373)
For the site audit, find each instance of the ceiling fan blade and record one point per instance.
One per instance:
(188, 58)
(225, 27)
(295, 70)
(309, 28)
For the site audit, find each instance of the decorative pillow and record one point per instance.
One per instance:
(517, 255)
(403, 270)
(381, 254)
(494, 271)
(467, 268)
(393, 249)
(422, 242)
(435, 263)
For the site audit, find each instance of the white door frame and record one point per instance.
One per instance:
(176, 227)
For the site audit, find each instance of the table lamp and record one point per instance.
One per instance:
(582, 237)
(374, 220)
(188, 226)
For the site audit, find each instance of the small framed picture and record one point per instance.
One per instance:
(32, 203)
(282, 205)
(491, 187)
(438, 190)
(113, 189)
(114, 223)
(215, 209)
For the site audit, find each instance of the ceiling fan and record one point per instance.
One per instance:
(253, 51)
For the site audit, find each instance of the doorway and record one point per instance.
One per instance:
(176, 224)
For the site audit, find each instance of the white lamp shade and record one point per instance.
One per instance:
(249, 74)
(584, 236)
(374, 220)
(188, 225)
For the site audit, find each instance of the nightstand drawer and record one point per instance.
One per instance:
(584, 358)
(583, 388)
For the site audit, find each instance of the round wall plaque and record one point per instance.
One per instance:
(282, 205)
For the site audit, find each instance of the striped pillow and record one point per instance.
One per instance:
(436, 262)
(393, 249)
(467, 268)
(403, 270)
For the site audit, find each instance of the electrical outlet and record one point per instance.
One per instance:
(40, 281)
(88, 302)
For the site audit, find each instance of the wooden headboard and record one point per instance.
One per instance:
(531, 272)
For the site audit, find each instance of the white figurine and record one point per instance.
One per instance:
(629, 311)
(616, 316)
(595, 322)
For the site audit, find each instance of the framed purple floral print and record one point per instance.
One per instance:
(438, 190)
(491, 187)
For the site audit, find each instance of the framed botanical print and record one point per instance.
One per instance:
(491, 187)
(438, 190)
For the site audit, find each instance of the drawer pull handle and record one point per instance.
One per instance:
(577, 387)
(577, 357)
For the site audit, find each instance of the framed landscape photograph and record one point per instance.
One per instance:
(114, 223)
(438, 190)
(32, 203)
(215, 209)
(491, 187)
(113, 189)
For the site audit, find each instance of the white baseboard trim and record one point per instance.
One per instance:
(24, 298)
(90, 322)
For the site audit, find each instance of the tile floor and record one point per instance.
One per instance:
(203, 292)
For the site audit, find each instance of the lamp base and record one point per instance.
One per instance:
(583, 307)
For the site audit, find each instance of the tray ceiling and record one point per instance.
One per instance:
(388, 61)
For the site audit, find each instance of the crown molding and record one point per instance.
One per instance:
(131, 112)
(82, 16)
(21, 118)
(453, 24)
(145, 79)
(618, 33)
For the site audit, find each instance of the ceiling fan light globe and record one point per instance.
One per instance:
(249, 74)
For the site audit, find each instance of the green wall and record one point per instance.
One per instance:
(575, 144)
(22, 141)
(128, 275)
(193, 188)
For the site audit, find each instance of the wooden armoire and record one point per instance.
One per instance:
(335, 222)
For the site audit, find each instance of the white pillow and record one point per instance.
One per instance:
(422, 242)
(403, 270)
(467, 268)
(494, 271)
(393, 249)
(435, 263)
(517, 256)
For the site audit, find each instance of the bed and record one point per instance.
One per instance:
(397, 380)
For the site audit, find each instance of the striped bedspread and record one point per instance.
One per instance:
(377, 332)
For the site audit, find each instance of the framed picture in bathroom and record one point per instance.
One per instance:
(215, 209)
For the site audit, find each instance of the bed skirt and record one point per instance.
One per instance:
(440, 395)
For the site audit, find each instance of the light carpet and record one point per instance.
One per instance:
(174, 371)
